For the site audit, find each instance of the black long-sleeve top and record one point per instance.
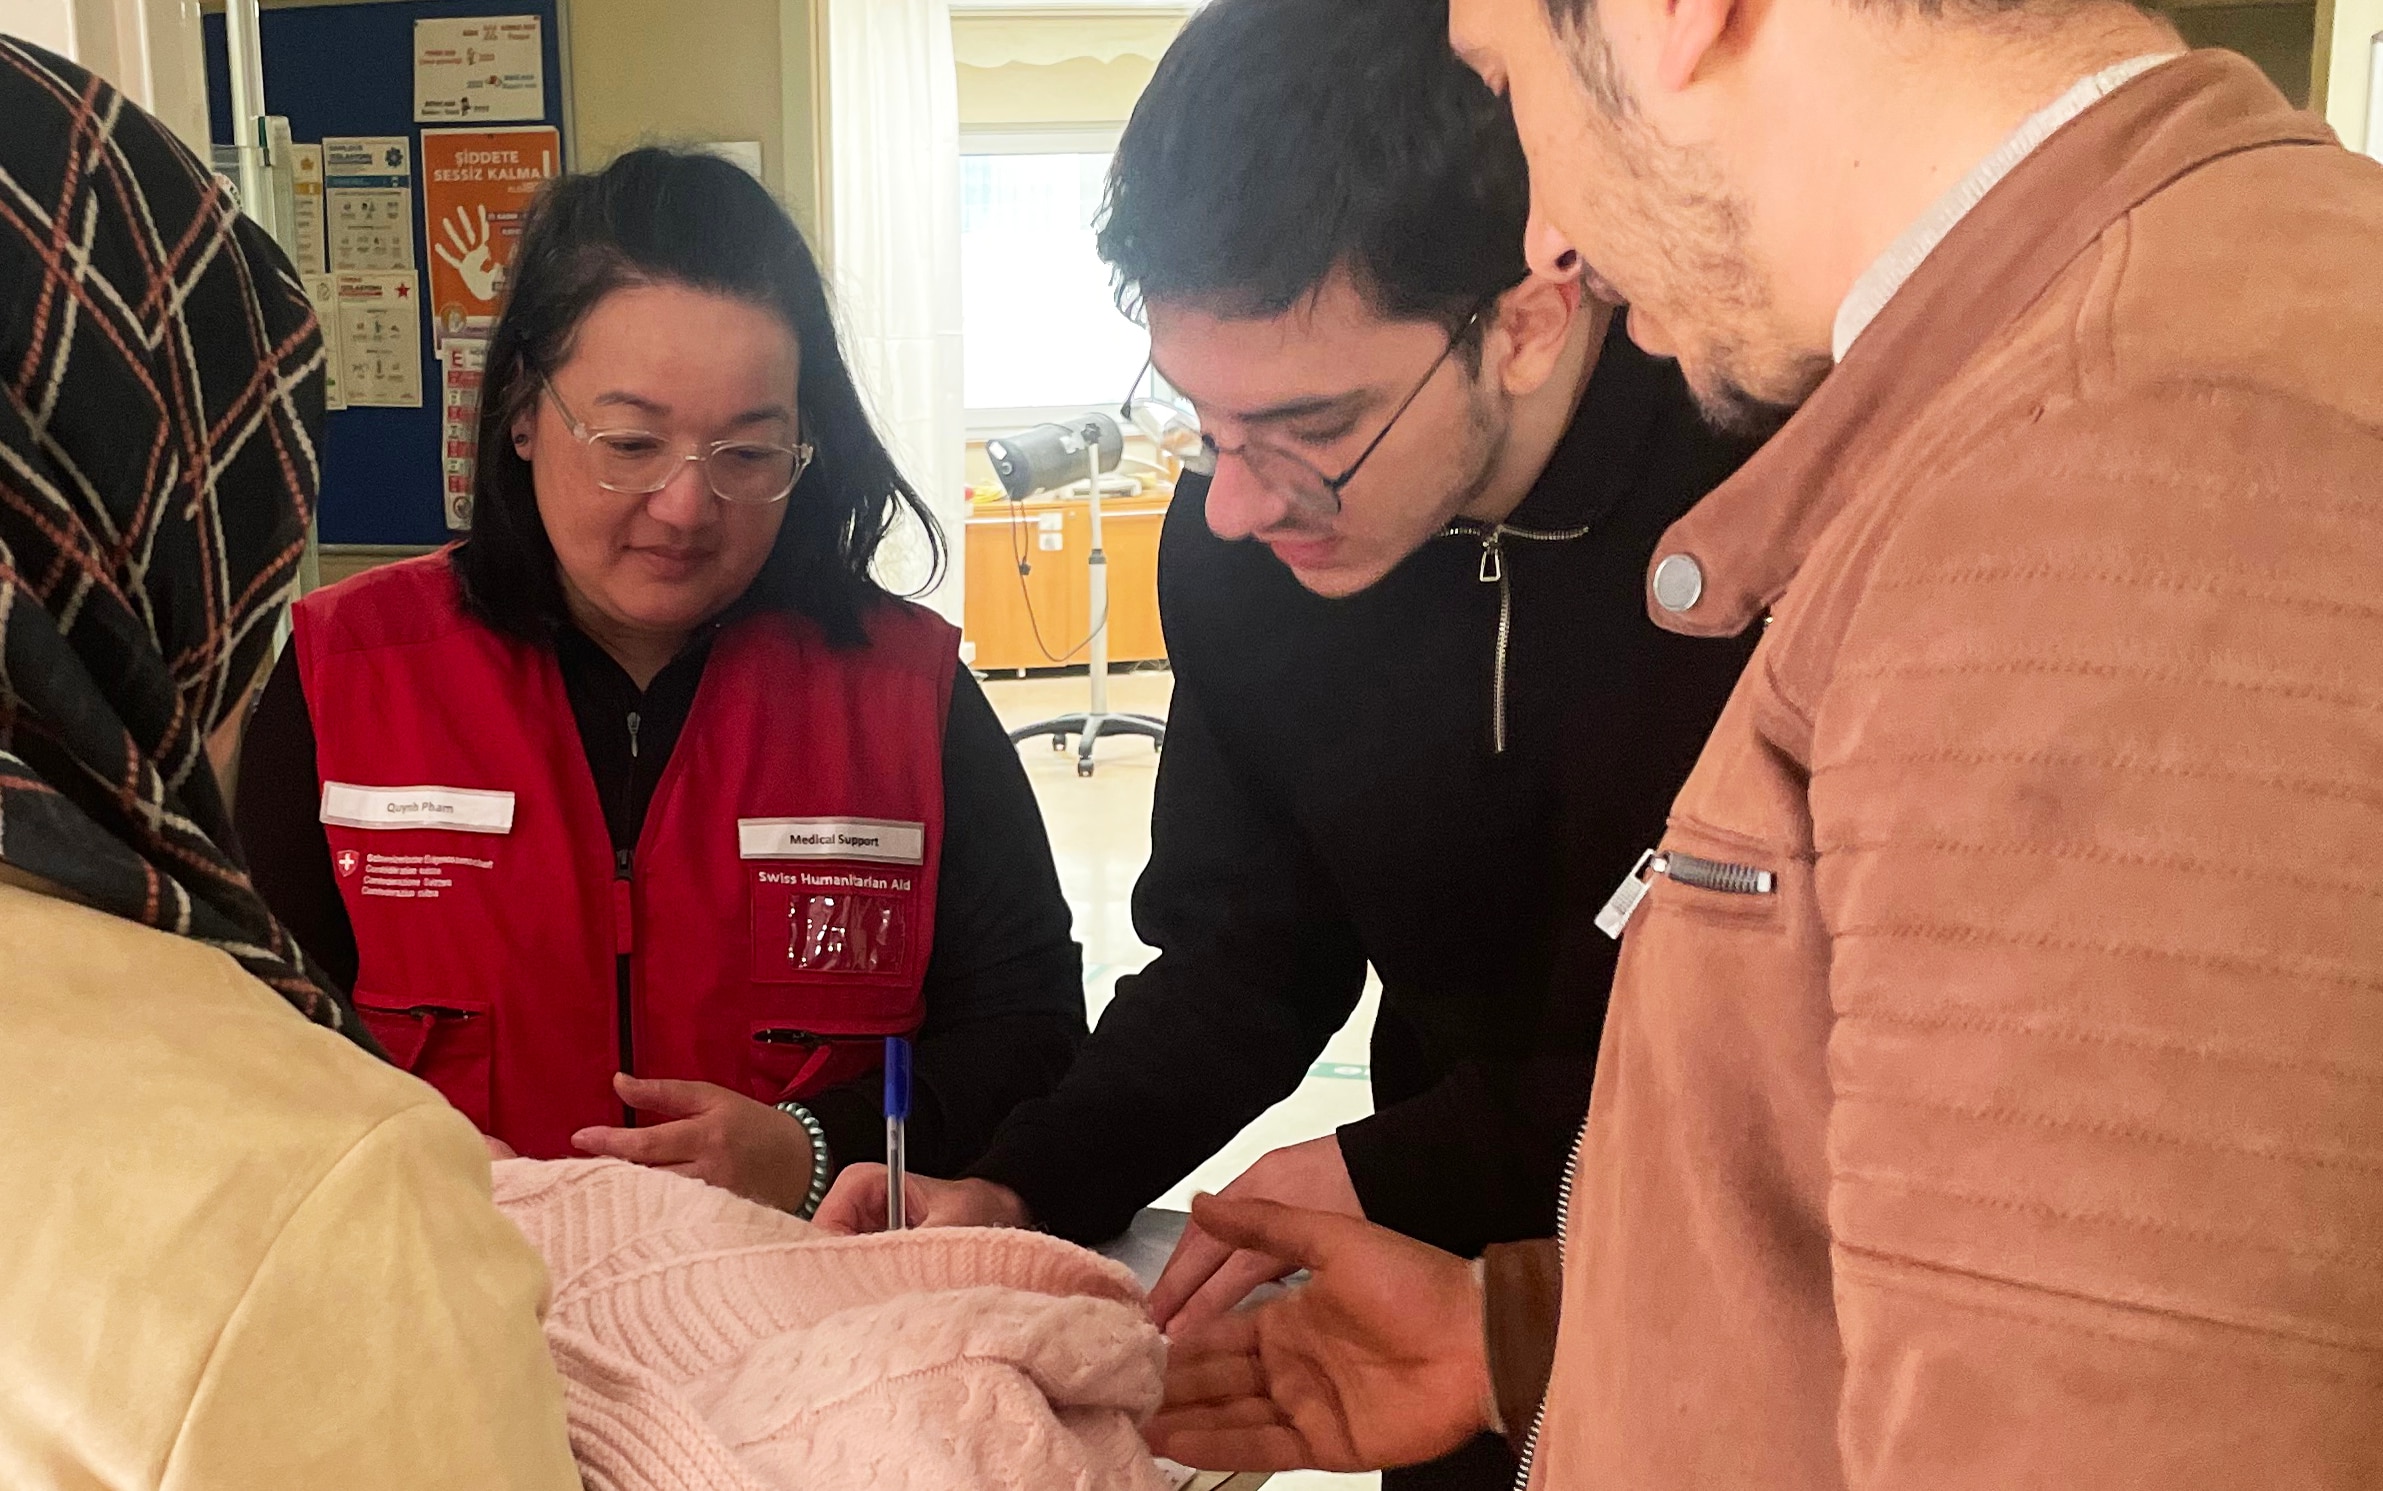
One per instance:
(1004, 985)
(1333, 794)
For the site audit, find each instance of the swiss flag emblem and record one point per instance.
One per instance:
(348, 860)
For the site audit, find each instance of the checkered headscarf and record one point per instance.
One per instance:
(161, 395)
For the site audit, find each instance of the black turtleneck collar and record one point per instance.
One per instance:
(1602, 456)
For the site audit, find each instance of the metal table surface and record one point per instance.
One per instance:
(1148, 1243)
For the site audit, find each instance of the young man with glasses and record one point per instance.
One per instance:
(1421, 719)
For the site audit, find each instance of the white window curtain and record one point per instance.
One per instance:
(150, 49)
(893, 228)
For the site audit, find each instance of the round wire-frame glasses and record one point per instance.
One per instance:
(745, 473)
(1176, 430)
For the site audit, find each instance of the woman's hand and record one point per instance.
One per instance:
(857, 1204)
(715, 1135)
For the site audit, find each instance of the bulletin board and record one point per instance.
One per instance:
(337, 70)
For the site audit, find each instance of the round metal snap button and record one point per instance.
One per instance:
(1679, 583)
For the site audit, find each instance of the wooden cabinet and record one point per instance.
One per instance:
(1005, 609)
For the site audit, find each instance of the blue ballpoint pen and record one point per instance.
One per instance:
(897, 1132)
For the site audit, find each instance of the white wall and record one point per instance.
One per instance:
(150, 49)
(684, 71)
(2347, 67)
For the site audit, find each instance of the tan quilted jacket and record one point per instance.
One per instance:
(2013, 1115)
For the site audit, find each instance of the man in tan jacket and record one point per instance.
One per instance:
(1993, 1089)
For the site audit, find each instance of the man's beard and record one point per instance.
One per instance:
(1730, 406)
(1700, 233)
(1487, 428)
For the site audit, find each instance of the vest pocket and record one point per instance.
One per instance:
(785, 1063)
(449, 1045)
(832, 922)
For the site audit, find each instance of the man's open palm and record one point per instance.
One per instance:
(1377, 1361)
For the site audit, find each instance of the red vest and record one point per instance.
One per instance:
(776, 919)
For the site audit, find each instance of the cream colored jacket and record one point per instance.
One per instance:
(237, 1252)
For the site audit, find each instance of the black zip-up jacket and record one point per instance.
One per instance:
(1334, 794)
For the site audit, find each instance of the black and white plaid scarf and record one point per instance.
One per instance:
(161, 399)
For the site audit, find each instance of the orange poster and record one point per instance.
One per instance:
(477, 185)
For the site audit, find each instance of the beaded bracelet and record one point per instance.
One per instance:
(823, 1164)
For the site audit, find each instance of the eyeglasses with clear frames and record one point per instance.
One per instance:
(1175, 429)
(746, 473)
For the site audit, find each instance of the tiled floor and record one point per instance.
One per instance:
(1100, 831)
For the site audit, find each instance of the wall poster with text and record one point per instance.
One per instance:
(477, 186)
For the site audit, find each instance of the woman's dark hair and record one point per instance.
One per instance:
(1283, 140)
(658, 216)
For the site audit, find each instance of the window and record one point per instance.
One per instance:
(1042, 337)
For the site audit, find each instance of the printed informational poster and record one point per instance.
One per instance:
(381, 335)
(306, 196)
(478, 67)
(371, 229)
(368, 189)
(462, 360)
(368, 160)
(477, 185)
(322, 292)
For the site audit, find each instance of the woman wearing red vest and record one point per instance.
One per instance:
(636, 821)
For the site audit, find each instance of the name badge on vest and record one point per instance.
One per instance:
(831, 895)
(459, 809)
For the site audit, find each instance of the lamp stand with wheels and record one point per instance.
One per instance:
(1096, 721)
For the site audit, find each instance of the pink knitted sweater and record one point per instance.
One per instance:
(709, 1344)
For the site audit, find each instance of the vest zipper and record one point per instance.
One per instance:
(624, 864)
(1492, 539)
(624, 943)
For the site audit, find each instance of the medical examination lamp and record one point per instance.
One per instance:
(1048, 458)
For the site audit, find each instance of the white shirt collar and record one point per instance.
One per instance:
(1889, 270)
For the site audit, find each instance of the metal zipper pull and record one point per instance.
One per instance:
(1493, 558)
(624, 926)
(634, 722)
(1623, 903)
(1688, 869)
